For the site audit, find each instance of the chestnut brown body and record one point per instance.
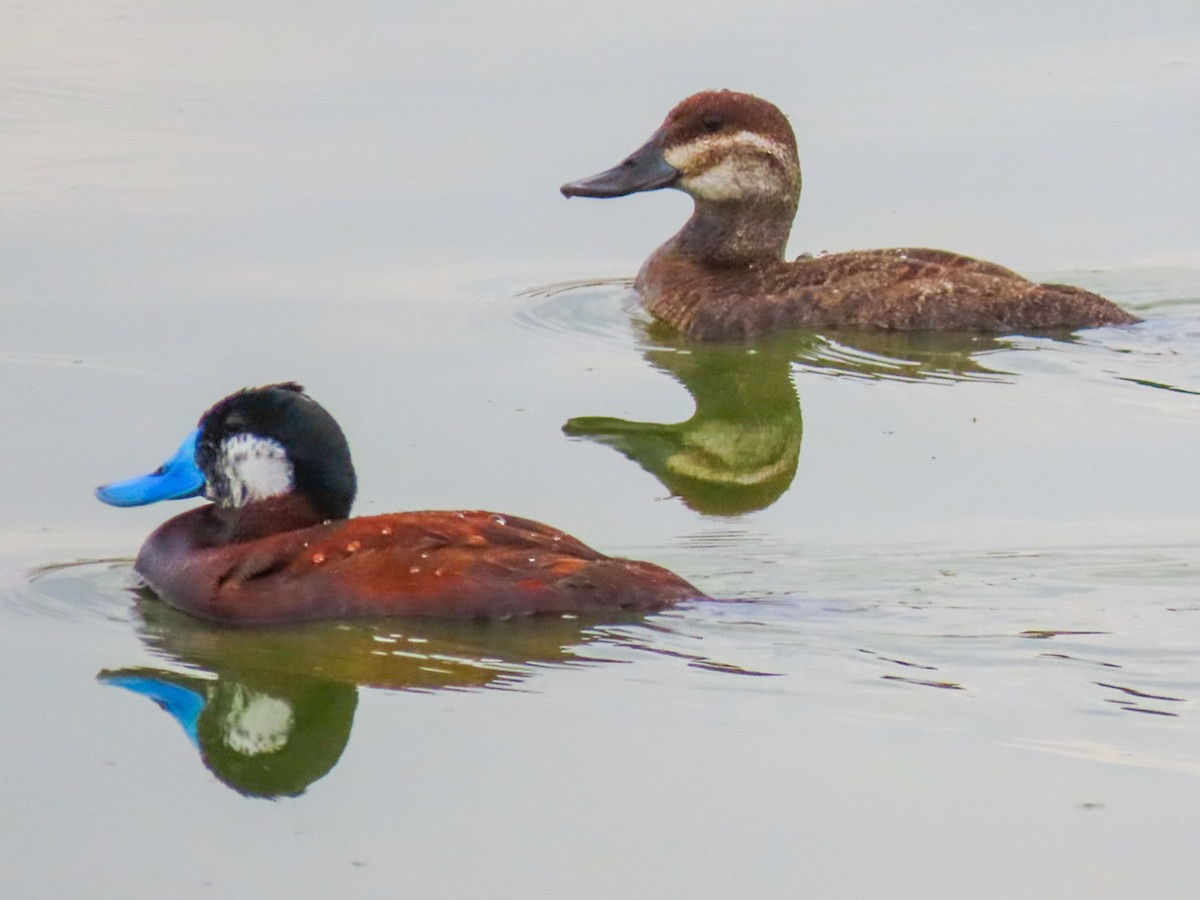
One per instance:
(897, 290)
(448, 564)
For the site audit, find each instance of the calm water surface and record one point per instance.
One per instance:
(958, 648)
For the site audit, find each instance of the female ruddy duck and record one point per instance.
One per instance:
(275, 545)
(724, 276)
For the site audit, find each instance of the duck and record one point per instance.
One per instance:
(276, 544)
(724, 275)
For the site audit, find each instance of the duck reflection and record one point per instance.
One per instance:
(270, 710)
(740, 449)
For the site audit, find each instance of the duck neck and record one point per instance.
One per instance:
(287, 512)
(735, 234)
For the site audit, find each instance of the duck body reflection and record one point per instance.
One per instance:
(740, 449)
(270, 711)
(276, 544)
(737, 452)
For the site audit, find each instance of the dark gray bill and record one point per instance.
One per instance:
(644, 170)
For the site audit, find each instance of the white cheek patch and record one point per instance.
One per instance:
(252, 468)
(726, 167)
(732, 179)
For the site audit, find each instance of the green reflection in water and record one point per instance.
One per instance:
(270, 710)
(262, 733)
(740, 449)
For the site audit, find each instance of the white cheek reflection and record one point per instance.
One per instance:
(257, 723)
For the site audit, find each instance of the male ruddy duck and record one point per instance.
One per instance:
(724, 277)
(275, 545)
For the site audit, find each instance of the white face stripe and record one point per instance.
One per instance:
(683, 155)
(249, 468)
(733, 165)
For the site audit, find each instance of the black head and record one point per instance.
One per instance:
(265, 441)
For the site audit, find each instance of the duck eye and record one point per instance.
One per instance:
(712, 122)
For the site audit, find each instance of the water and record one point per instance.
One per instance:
(956, 653)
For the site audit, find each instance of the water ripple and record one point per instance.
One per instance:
(85, 590)
(598, 308)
